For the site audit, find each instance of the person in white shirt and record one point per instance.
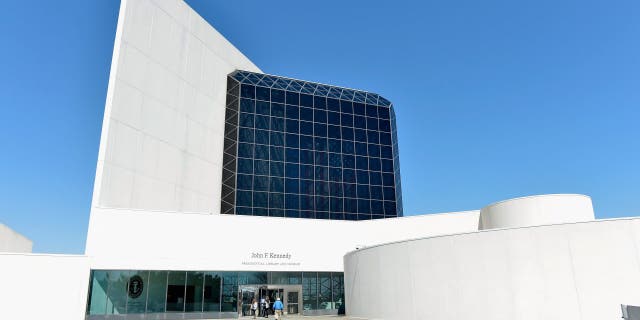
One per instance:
(254, 307)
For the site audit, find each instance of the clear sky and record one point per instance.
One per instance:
(495, 99)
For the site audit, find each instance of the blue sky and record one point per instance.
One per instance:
(495, 99)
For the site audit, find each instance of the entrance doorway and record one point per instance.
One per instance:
(288, 294)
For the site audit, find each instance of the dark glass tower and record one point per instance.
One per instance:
(307, 150)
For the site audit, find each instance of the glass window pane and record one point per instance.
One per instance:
(306, 100)
(292, 170)
(261, 167)
(292, 112)
(246, 120)
(358, 108)
(292, 155)
(262, 122)
(245, 135)
(176, 291)
(306, 128)
(247, 105)
(333, 104)
(194, 294)
(260, 199)
(292, 201)
(263, 108)
(229, 292)
(98, 294)
(262, 94)
(277, 124)
(277, 138)
(292, 98)
(309, 290)
(293, 140)
(117, 294)
(320, 116)
(292, 186)
(248, 91)
(346, 106)
(292, 126)
(157, 289)
(337, 289)
(276, 184)
(212, 288)
(277, 95)
(325, 299)
(306, 142)
(262, 136)
(306, 114)
(306, 171)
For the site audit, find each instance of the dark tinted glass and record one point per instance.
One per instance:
(298, 149)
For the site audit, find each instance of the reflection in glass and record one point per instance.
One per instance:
(156, 291)
(337, 285)
(309, 290)
(98, 293)
(136, 291)
(176, 291)
(193, 299)
(212, 288)
(324, 291)
(309, 120)
(117, 294)
(229, 292)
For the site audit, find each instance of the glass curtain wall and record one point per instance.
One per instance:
(306, 150)
(120, 292)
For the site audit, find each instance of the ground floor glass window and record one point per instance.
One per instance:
(121, 292)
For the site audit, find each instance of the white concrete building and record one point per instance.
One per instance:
(11, 241)
(186, 224)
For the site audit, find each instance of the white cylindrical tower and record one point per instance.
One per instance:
(536, 210)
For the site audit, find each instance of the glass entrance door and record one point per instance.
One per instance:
(247, 294)
(291, 305)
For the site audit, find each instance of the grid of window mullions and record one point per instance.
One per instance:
(323, 118)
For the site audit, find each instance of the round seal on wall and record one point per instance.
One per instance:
(135, 286)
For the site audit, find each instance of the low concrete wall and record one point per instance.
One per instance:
(43, 286)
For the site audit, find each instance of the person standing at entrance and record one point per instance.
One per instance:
(266, 308)
(277, 308)
(254, 307)
(263, 306)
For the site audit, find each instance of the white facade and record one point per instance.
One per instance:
(159, 168)
(162, 134)
(146, 240)
(11, 241)
(156, 206)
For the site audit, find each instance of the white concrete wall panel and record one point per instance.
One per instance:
(161, 145)
(565, 271)
(536, 210)
(11, 241)
(131, 239)
(43, 286)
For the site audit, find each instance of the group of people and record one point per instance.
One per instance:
(262, 309)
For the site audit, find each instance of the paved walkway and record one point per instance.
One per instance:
(297, 317)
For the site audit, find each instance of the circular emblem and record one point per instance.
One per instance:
(135, 286)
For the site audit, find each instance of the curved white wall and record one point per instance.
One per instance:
(536, 210)
(566, 271)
